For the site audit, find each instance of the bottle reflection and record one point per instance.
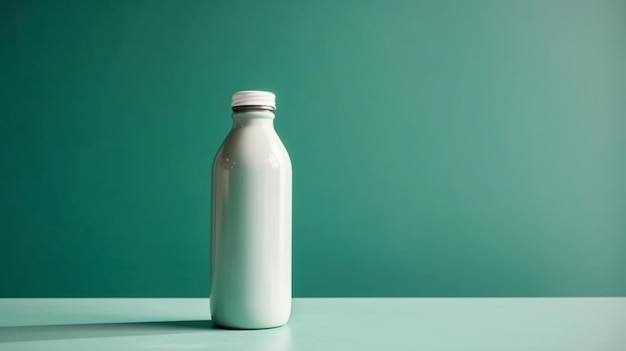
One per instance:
(277, 339)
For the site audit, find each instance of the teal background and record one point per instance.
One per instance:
(440, 148)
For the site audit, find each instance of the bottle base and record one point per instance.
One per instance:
(219, 325)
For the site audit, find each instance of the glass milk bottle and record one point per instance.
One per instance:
(251, 220)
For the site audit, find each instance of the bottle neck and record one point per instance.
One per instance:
(260, 118)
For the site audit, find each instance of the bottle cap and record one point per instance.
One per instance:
(254, 98)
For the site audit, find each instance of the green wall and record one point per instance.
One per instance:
(440, 148)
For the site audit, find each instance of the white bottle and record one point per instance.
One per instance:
(251, 222)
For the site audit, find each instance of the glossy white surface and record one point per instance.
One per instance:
(251, 233)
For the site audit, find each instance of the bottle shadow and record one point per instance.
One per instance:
(76, 331)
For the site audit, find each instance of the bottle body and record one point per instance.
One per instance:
(251, 226)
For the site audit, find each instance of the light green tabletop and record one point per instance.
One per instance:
(319, 324)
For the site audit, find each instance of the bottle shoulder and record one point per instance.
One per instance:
(252, 147)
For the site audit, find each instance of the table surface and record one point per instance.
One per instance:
(319, 324)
